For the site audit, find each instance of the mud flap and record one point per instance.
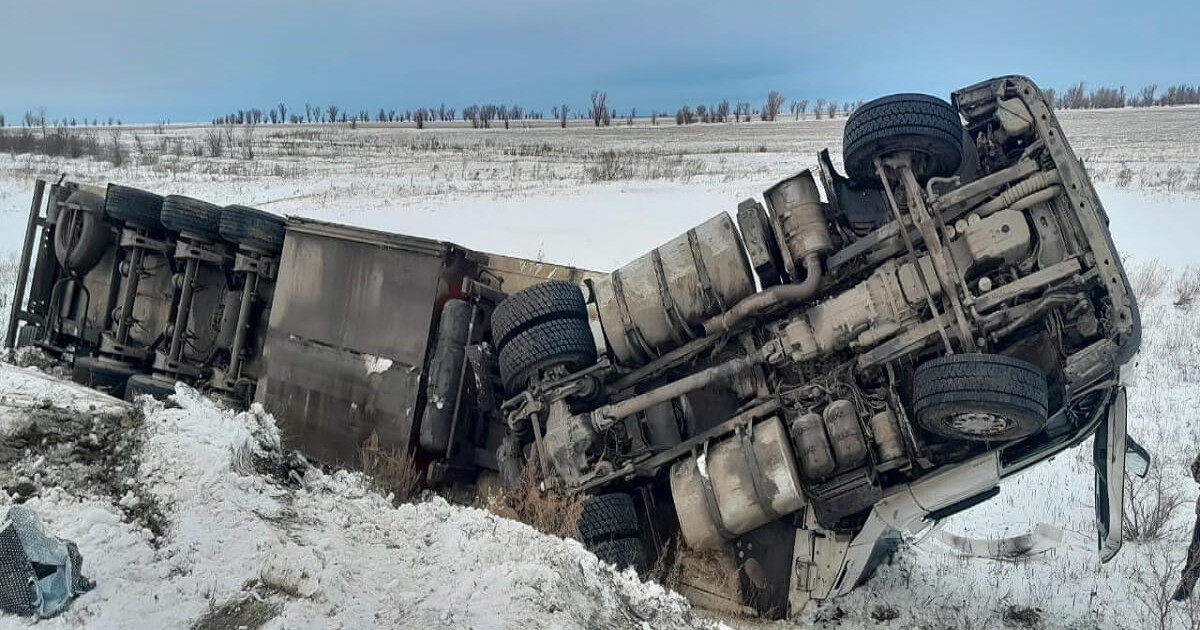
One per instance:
(764, 558)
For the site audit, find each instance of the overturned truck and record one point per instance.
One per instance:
(799, 388)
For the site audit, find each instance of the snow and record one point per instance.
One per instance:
(332, 553)
(335, 554)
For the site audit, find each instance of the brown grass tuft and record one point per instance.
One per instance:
(684, 569)
(392, 471)
(546, 511)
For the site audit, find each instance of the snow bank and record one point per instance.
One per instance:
(330, 554)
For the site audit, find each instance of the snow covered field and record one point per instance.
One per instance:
(333, 554)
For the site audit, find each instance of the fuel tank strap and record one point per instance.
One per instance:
(757, 479)
(678, 323)
(637, 342)
(710, 495)
(712, 301)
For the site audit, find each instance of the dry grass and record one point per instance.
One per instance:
(712, 570)
(1187, 288)
(1156, 578)
(392, 471)
(1149, 279)
(545, 510)
(1150, 503)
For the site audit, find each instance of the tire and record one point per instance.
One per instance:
(147, 384)
(28, 335)
(253, 228)
(903, 122)
(622, 552)
(103, 374)
(80, 233)
(566, 342)
(980, 397)
(555, 299)
(184, 214)
(608, 517)
(134, 207)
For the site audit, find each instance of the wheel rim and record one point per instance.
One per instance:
(980, 423)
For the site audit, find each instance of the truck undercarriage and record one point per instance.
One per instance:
(798, 389)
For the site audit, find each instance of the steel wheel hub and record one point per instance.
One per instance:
(979, 423)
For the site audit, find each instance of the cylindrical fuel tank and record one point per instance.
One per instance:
(739, 484)
(444, 369)
(657, 302)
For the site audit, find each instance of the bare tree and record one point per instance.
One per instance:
(273, 116)
(1107, 98)
(563, 110)
(1075, 97)
(771, 108)
(632, 115)
(1051, 96)
(702, 113)
(1, 120)
(820, 107)
(683, 116)
(419, 117)
(801, 105)
(654, 117)
(332, 112)
(1145, 97)
(599, 107)
(282, 112)
(831, 109)
(742, 112)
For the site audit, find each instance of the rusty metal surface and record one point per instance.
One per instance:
(515, 274)
(350, 326)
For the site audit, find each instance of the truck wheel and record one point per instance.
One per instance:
(554, 299)
(981, 397)
(923, 124)
(80, 234)
(102, 374)
(622, 552)
(253, 228)
(184, 214)
(147, 384)
(607, 517)
(566, 342)
(133, 206)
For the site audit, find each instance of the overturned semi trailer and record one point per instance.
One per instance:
(342, 332)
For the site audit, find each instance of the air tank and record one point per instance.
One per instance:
(738, 484)
(657, 302)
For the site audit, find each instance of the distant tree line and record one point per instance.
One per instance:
(602, 113)
(1079, 97)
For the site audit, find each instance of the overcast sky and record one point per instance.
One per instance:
(191, 61)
